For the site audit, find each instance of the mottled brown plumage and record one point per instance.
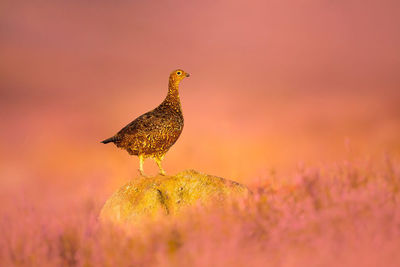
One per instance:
(153, 133)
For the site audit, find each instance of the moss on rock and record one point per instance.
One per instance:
(152, 196)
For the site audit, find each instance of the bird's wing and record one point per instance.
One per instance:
(153, 131)
(145, 123)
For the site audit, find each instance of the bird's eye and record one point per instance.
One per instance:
(178, 72)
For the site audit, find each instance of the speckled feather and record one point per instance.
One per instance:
(153, 133)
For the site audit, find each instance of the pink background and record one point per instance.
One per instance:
(273, 84)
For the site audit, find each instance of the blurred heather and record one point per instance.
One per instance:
(345, 214)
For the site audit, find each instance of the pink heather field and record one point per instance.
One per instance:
(347, 214)
(297, 100)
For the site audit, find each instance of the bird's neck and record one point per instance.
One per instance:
(172, 98)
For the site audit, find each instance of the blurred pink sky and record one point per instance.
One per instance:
(273, 83)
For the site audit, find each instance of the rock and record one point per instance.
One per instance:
(151, 196)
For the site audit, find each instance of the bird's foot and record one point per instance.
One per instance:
(141, 172)
(163, 173)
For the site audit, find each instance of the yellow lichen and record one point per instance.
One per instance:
(152, 196)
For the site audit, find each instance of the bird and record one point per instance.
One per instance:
(152, 134)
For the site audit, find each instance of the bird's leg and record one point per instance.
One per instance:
(158, 161)
(141, 160)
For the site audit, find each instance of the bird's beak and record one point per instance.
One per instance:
(187, 75)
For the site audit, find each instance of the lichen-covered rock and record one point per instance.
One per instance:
(151, 196)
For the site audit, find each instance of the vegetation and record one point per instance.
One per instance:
(347, 214)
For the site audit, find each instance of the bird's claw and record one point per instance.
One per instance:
(141, 173)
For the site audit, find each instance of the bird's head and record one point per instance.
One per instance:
(178, 75)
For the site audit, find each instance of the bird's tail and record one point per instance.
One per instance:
(111, 139)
